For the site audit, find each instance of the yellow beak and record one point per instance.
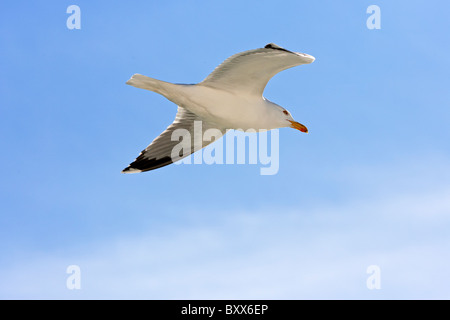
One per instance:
(298, 126)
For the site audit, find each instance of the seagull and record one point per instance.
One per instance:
(231, 97)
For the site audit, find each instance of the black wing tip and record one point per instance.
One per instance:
(130, 169)
(275, 47)
(271, 46)
(142, 164)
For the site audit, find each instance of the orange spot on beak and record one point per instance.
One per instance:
(298, 126)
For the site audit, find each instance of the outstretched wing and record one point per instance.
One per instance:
(186, 128)
(249, 71)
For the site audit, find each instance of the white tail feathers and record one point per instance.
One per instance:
(147, 83)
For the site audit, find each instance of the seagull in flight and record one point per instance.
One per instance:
(231, 97)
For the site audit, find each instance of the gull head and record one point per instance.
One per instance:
(292, 123)
(279, 117)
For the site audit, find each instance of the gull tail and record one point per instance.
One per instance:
(147, 83)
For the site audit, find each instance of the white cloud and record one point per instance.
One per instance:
(283, 254)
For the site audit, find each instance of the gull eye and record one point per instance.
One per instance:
(285, 112)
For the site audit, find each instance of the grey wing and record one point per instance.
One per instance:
(249, 71)
(178, 141)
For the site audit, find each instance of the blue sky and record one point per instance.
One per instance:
(369, 185)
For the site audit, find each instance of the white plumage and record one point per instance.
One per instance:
(229, 98)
